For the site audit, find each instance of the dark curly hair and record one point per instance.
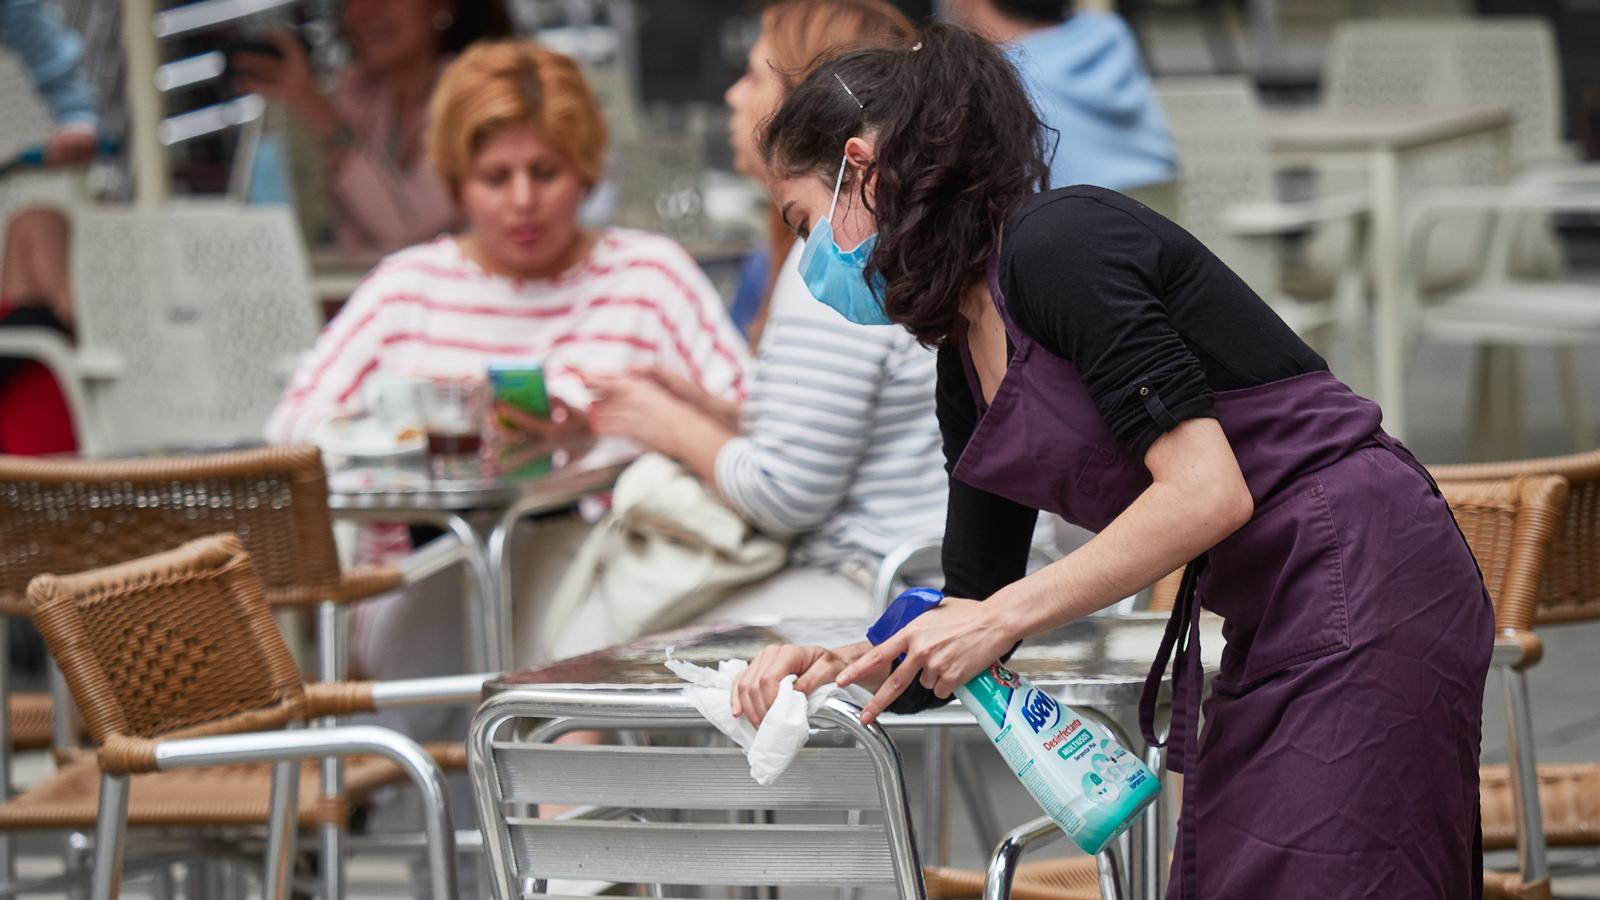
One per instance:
(959, 148)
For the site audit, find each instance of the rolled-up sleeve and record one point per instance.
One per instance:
(1089, 295)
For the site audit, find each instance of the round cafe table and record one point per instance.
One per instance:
(481, 513)
(1096, 665)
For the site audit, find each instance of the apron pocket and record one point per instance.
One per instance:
(1279, 582)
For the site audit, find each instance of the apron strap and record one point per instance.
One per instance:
(1188, 675)
(1012, 331)
(1177, 625)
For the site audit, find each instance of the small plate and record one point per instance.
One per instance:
(366, 438)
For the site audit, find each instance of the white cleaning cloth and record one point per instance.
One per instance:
(772, 747)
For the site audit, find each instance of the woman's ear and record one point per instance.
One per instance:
(860, 152)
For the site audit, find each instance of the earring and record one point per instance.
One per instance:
(442, 20)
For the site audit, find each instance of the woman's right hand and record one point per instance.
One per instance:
(510, 427)
(287, 78)
(755, 689)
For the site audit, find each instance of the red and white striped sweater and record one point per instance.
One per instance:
(638, 300)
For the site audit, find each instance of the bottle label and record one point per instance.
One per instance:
(1081, 777)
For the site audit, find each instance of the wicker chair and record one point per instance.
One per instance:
(65, 516)
(176, 663)
(1568, 591)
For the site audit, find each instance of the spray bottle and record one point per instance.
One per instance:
(1080, 775)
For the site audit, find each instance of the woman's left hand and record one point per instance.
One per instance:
(948, 645)
(638, 409)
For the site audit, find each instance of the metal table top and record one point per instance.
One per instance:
(1100, 661)
(405, 484)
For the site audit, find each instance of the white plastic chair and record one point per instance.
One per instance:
(1500, 313)
(1227, 197)
(190, 318)
(678, 801)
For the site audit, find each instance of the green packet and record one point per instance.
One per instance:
(521, 387)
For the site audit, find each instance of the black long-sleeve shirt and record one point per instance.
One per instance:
(1132, 301)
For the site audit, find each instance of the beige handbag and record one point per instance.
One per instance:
(668, 551)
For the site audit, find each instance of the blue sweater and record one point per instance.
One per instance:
(50, 51)
(1089, 84)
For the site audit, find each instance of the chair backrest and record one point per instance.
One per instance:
(1569, 591)
(660, 186)
(1410, 65)
(1222, 162)
(190, 319)
(177, 644)
(66, 516)
(1509, 524)
(1508, 518)
(920, 563)
(683, 804)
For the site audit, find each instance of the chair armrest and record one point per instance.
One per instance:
(365, 582)
(1516, 649)
(1003, 863)
(320, 743)
(343, 698)
(1540, 197)
(1567, 172)
(1273, 218)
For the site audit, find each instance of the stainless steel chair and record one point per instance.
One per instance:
(679, 801)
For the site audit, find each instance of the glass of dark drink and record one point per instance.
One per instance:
(453, 411)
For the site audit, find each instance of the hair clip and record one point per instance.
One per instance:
(917, 46)
(847, 90)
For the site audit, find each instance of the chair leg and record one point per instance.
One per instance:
(110, 830)
(282, 822)
(332, 650)
(1532, 861)
(1111, 881)
(7, 870)
(1574, 401)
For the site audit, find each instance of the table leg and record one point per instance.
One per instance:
(1389, 313)
(333, 642)
(499, 561)
(1153, 853)
(483, 622)
(935, 815)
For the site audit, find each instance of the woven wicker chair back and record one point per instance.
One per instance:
(1508, 523)
(1570, 588)
(179, 643)
(65, 516)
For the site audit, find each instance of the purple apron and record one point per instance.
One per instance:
(1340, 752)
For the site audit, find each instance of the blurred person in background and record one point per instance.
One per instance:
(517, 137)
(837, 445)
(1089, 85)
(371, 128)
(35, 290)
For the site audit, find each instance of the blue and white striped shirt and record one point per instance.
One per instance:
(840, 444)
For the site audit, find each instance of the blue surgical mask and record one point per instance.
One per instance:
(837, 277)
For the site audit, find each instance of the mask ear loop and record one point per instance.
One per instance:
(837, 182)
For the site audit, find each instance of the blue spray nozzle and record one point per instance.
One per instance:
(901, 611)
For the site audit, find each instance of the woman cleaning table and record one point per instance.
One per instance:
(1096, 361)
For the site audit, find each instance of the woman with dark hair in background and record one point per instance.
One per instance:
(371, 127)
(1095, 360)
(837, 445)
